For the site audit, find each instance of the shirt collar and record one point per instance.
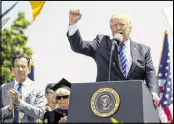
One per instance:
(23, 84)
(127, 43)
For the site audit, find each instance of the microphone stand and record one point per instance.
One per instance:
(110, 61)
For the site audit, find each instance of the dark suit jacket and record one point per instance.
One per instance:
(54, 116)
(141, 69)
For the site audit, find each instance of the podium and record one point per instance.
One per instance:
(135, 102)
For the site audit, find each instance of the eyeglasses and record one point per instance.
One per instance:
(64, 97)
(18, 67)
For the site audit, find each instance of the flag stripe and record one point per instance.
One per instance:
(165, 84)
(161, 89)
(165, 114)
(168, 113)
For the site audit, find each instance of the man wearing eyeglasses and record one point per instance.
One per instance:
(50, 95)
(21, 100)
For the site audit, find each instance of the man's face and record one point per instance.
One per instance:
(21, 69)
(120, 25)
(51, 97)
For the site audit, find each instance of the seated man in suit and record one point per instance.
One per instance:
(130, 60)
(21, 101)
(59, 115)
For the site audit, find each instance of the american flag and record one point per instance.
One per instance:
(31, 75)
(165, 82)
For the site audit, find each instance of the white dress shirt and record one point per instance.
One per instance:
(72, 29)
(127, 52)
(23, 87)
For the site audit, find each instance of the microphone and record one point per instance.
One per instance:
(117, 39)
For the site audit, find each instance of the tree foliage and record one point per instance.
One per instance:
(13, 41)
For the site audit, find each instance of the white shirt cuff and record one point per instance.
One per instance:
(72, 29)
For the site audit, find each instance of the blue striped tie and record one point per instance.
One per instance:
(123, 59)
(16, 113)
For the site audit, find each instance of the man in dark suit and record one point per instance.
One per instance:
(21, 100)
(131, 60)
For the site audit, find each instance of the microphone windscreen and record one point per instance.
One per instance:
(118, 37)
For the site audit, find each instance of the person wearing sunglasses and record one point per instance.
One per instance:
(59, 115)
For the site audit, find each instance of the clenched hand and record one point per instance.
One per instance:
(74, 16)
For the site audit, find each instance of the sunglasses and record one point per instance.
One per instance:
(64, 97)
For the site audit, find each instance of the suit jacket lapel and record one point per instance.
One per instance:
(10, 85)
(134, 51)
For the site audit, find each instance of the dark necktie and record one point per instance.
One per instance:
(16, 112)
(123, 59)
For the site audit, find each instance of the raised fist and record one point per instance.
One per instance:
(74, 16)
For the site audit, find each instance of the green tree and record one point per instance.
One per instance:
(13, 41)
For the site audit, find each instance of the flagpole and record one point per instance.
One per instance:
(9, 9)
(167, 22)
(4, 21)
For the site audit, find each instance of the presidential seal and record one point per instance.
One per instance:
(105, 102)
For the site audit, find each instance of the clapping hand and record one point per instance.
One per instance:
(14, 96)
(63, 120)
